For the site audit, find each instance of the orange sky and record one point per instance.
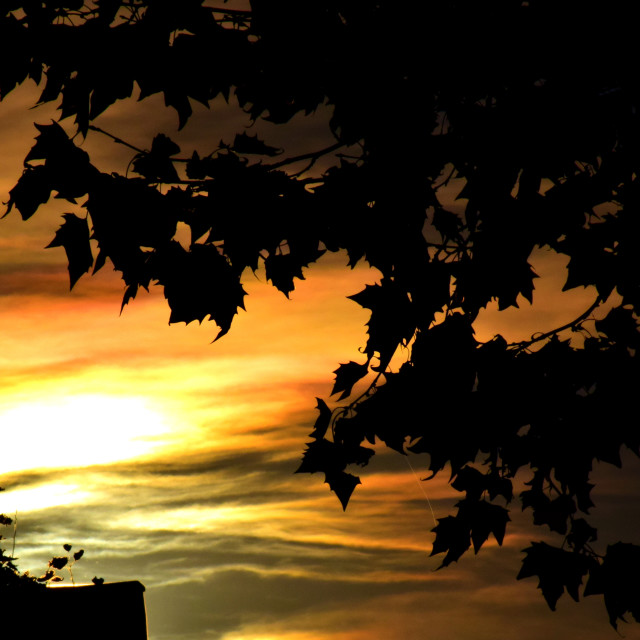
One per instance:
(170, 460)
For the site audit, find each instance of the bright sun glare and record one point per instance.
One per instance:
(78, 431)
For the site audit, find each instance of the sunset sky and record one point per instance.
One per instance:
(170, 460)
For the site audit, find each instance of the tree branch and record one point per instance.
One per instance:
(569, 325)
(233, 12)
(115, 138)
(306, 156)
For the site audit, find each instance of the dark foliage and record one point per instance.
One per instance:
(496, 95)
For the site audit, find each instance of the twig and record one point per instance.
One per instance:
(115, 138)
(314, 155)
(233, 12)
(543, 336)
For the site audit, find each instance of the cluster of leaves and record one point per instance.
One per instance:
(11, 578)
(547, 151)
(57, 563)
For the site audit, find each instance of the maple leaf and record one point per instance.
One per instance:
(329, 458)
(322, 456)
(554, 513)
(346, 376)
(620, 326)
(112, 87)
(453, 536)
(177, 98)
(392, 319)
(499, 486)
(322, 423)
(32, 189)
(246, 144)
(198, 168)
(470, 480)
(198, 283)
(343, 484)
(592, 260)
(282, 269)
(581, 533)
(556, 569)
(156, 165)
(49, 141)
(73, 235)
(617, 579)
(483, 518)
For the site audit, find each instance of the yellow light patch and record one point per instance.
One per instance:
(78, 431)
(40, 497)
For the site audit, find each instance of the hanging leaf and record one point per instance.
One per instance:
(244, 143)
(556, 569)
(346, 376)
(392, 320)
(343, 484)
(73, 235)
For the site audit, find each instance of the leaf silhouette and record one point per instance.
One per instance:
(343, 484)
(322, 423)
(32, 189)
(556, 569)
(346, 376)
(198, 283)
(616, 579)
(46, 576)
(453, 536)
(244, 143)
(156, 165)
(73, 235)
(58, 562)
(282, 269)
(392, 320)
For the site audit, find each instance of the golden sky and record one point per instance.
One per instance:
(171, 460)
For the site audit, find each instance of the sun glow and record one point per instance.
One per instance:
(40, 497)
(79, 431)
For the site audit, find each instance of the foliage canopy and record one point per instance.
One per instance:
(497, 95)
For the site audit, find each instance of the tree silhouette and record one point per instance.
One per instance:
(531, 105)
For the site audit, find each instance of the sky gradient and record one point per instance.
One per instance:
(170, 460)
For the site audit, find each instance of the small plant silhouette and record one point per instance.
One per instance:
(58, 563)
(11, 576)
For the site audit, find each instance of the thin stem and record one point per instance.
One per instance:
(115, 138)
(569, 325)
(233, 12)
(314, 155)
